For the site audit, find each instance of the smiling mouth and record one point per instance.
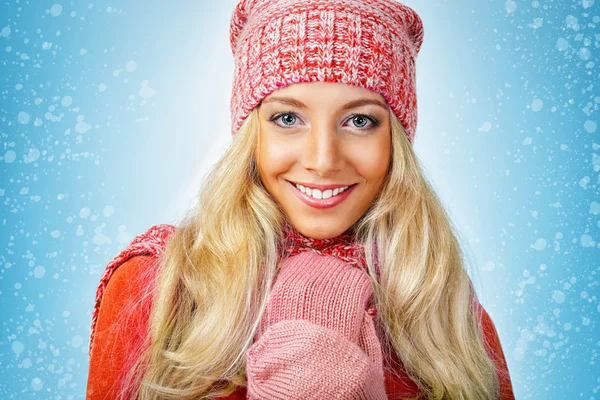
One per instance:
(322, 192)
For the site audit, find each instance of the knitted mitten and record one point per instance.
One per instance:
(316, 340)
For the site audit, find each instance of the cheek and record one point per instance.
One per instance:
(372, 161)
(273, 158)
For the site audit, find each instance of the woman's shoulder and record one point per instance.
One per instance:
(485, 321)
(124, 270)
(486, 324)
(493, 347)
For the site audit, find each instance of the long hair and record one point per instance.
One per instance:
(213, 280)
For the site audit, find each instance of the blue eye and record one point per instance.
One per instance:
(289, 117)
(360, 118)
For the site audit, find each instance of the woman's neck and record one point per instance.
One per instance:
(292, 235)
(344, 246)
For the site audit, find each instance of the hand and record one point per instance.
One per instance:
(320, 289)
(315, 339)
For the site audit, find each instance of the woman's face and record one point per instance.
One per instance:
(315, 140)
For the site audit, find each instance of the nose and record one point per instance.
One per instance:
(323, 151)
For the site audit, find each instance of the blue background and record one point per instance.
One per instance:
(112, 112)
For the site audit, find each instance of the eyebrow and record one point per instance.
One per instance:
(297, 103)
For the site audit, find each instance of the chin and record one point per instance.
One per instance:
(317, 232)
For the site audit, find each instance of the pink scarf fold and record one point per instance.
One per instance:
(344, 247)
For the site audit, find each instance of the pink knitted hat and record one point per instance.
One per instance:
(366, 43)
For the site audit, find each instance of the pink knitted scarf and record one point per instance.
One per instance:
(343, 247)
(154, 241)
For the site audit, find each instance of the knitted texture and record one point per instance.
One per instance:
(320, 289)
(369, 43)
(298, 360)
(153, 242)
(343, 247)
(315, 338)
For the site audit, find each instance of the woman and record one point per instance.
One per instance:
(319, 263)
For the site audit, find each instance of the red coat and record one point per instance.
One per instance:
(114, 340)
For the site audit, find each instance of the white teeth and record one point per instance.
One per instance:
(317, 194)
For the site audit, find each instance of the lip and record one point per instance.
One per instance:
(322, 203)
(320, 187)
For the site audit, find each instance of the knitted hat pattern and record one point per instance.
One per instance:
(368, 43)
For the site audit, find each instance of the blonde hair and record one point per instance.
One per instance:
(214, 278)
